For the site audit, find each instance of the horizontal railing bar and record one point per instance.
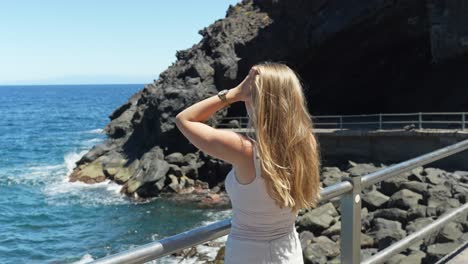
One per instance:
(335, 190)
(370, 123)
(393, 170)
(327, 123)
(441, 122)
(359, 123)
(400, 122)
(169, 245)
(240, 117)
(400, 114)
(442, 113)
(416, 236)
(326, 116)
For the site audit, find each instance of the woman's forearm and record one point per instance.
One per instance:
(203, 110)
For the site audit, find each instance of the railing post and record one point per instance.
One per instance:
(350, 207)
(420, 120)
(380, 121)
(463, 120)
(341, 122)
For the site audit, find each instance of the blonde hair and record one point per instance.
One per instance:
(286, 143)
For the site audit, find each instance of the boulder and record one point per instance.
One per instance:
(315, 223)
(361, 169)
(367, 241)
(417, 225)
(416, 175)
(386, 232)
(332, 175)
(328, 247)
(392, 185)
(176, 158)
(434, 175)
(374, 200)
(368, 252)
(314, 254)
(404, 199)
(305, 237)
(333, 230)
(438, 251)
(415, 186)
(318, 219)
(90, 173)
(415, 257)
(394, 214)
(396, 259)
(416, 212)
(449, 233)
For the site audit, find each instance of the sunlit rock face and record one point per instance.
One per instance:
(354, 57)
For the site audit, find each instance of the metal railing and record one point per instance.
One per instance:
(447, 120)
(233, 122)
(350, 207)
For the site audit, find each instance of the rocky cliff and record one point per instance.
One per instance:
(360, 56)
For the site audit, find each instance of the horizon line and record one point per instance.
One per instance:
(70, 84)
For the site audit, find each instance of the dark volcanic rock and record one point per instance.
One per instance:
(438, 251)
(418, 224)
(394, 214)
(450, 233)
(361, 169)
(386, 232)
(405, 199)
(318, 219)
(332, 175)
(374, 200)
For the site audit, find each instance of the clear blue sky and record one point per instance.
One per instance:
(98, 41)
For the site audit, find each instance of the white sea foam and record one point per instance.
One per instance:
(71, 158)
(92, 141)
(63, 192)
(87, 258)
(53, 181)
(96, 131)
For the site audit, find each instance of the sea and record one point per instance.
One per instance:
(44, 218)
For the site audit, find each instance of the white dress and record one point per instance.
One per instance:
(261, 232)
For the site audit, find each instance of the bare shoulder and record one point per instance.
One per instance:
(245, 169)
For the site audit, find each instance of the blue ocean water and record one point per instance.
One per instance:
(44, 218)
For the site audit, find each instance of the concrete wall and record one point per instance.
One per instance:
(390, 146)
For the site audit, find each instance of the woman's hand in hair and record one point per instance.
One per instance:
(244, 89)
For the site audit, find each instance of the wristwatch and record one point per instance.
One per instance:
(222, 95)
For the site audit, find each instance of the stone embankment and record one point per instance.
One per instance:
(391, 210)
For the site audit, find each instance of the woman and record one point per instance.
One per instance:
(275, 172)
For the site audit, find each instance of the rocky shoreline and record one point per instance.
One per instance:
(174, 180)
(391, 210)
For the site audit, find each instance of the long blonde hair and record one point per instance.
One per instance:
(286, 143)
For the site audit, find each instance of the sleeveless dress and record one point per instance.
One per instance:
(261, 231)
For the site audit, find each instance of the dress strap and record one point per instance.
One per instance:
(256, 160)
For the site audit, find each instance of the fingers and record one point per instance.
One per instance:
(253, 71)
